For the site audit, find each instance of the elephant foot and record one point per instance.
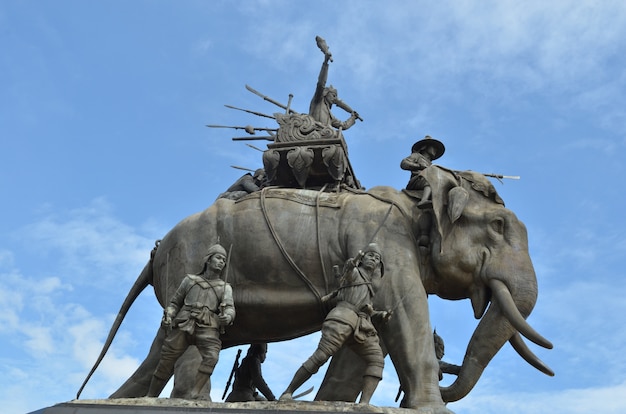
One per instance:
(426, 407)
(433, 410)
(286, 396)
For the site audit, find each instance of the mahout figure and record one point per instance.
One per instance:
(423, 153)
(196, 315)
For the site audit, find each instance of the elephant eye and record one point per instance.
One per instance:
(497, 226)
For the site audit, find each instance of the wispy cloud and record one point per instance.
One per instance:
(612, 400)
(47, 324)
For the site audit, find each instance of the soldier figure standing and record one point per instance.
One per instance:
(349, 323)
(201, 307)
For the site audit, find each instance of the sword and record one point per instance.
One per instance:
(303, 393)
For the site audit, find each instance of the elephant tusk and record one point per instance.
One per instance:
(510, 311)
(520, 347)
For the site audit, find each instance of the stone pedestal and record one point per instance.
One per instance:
(148, 405)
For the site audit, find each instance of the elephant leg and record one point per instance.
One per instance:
(139, 383)
(344, 377)
(185, 372)
(409, 340)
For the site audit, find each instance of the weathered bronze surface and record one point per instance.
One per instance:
(449, 235)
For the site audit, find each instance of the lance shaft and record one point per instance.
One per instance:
(268, 99)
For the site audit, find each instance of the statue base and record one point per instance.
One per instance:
(147, 405)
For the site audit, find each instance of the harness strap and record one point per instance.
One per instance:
(291, 262)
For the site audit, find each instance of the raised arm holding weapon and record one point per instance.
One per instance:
(325, 97)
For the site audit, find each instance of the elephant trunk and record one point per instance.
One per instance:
(504, 318)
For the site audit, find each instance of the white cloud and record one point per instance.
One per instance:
(609, 399)
(88, 240)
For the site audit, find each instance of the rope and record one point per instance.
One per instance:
(319, 237)
(281, 247)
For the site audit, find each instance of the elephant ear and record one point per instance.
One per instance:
(448, 203)
(457, 200)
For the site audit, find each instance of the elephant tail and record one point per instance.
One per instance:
(144, 279)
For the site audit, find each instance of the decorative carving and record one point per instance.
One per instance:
(300, 160)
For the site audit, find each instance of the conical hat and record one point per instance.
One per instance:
(429, 142)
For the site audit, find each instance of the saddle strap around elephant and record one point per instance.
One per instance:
(286, 255)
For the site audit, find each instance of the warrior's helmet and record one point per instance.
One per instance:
(373, 247)
(213, 250)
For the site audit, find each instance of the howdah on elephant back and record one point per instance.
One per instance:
(285, 242)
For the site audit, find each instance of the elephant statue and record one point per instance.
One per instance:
(285, 242)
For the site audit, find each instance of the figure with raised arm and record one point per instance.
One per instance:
(350, 323)
(325, 97)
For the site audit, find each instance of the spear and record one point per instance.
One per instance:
(285, 107)
(248, 128)
(250, 112)
(256, 148)
(241, 168)
(268, 138)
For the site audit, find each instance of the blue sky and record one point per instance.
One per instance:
(103, 108)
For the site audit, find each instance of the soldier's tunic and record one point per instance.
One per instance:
(416, 163)
(196, 305)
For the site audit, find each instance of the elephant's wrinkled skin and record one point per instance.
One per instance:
(283, 252)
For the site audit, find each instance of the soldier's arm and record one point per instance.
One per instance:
(318, 96)
(176, 302)
(227, 307)
(259, 382)
(249, 185)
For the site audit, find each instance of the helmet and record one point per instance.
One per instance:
(373, 247)
(215, 249)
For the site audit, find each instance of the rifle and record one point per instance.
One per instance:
(499, 177)
(232, 373)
